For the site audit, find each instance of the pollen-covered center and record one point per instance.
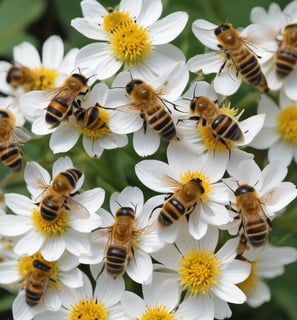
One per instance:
(189, 175)
(212, 140)
(50, 228)
(248, 286)
(88, 309)
(157, 313)
(25, 266)
(199, 271)
(115, 19)
(287, 124)
(44, 78)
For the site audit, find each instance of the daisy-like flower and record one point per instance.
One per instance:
(273, 193)
(91, 121)
(160, 299)
(228, 76)
(279, 65)
(129, 37)
(133, 108)
(205, 198)
(61, 273)
(137, 237)
(266, 264)
(279, 132)
(202, 139)
(68, 231)
(85, 303)
(207, 276)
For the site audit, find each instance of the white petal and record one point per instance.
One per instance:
(9, 272)
(53, 248)
(229, 292)
(222, 309)
(27, 55)
(125, 122)
(150, 12)
(19, 204)
(29, 244)
(272, 175)
(236, 271)
(265, 139)
(204, 32)
(77, 243)
(71, 278)
(227, 83)
(12, 225)
(140, 267)
(64, 138)
(62, 164)
(207, 62)
(251, 127)
(169, 256)
(133, 305)
(259, 295)
(282, 152)
(146, 144)
(197, 226)
(52, 52)
(88, 29)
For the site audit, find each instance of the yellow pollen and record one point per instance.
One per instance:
(157, 313)
(50, 228)
(248, 286)
(199, 271)
(287, 124)
(88, 309)
(97, 128)
(44, 78)
(187, 176)
(25, 265)
(115, 19)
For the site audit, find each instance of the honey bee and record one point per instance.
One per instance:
(152, 107)
(222, 126)
(36, 282)
(63, 98)
(11, 139)
(255, 225)
(58, 194)
(286, 56)
(243, 58)
(181, 202)
(121, 236)
(20, 76)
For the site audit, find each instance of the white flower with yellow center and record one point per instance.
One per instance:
(62, 273)
(129, 37)
(279, 132)
(68, 231)
(91, 120)
(201, 139)
(266, 264)
(85, 303)
(184, 166)
(207, 276)
(144, 239)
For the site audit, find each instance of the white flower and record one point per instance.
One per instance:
(84, 302)
(208, 277)
(96, 132)
(129, 36)
(182, 167)
(129, 117)
(201, 139)
(266, 264)
(279, 132)
(227, 79)
(69, 231)
(144, 238)
(64, 273)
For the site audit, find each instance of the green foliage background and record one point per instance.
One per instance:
(35, 20)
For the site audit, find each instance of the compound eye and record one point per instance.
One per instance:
(132, 84)
(221, 28)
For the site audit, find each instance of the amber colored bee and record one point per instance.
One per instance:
(286, 56)
(20, 76)
(245, 61)
(36, 282)
(11, 139)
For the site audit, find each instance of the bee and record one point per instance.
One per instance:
(20, 76)
(58, 194)
(286, 56)
(255, 225)
(11, 139)
(243, 58)
(121, 236)
(222, 126)
(181, 202)
(152, 107)
(36, 282)
(61, 104)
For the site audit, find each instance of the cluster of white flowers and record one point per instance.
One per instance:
(67, 257)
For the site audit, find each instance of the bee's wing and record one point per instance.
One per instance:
(172, 183)
(21, 134)
(76, 208)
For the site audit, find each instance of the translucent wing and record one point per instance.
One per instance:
(76, 209)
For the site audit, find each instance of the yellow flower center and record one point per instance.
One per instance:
(93, 127)
(44, 78)
(25, 265)
(249, 284)
(187, 176)
(50, 228)
(115, 19)
(157, 313)
(88, 309)
(287, 124)
(199, 271)
(210, 141)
